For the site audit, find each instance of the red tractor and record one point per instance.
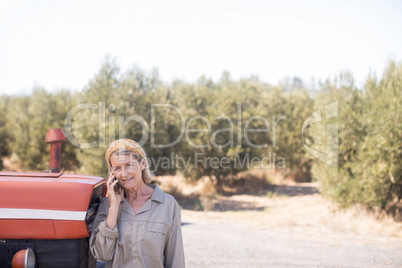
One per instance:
(46, 217)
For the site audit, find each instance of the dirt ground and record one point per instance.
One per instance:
(214, 244)
(288, 226)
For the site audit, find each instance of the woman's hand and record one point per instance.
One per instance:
(115, 199)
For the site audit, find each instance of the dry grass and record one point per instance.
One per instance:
(303, 211)
(308, 212)
(10, 164)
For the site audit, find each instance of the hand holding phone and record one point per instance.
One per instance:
(115, 194)
(117, 188)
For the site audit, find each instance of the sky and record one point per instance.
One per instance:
(61, 44)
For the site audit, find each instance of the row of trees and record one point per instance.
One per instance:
(219, 128)
(370, 135)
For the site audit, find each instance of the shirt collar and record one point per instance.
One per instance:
(157, 194)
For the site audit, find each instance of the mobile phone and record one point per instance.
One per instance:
(117, 188)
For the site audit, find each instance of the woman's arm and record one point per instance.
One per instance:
(103, 239)
(104, 235)
(174, 250)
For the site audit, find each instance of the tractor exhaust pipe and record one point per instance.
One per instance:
(55, 137)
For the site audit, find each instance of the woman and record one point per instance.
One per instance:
(137, 225)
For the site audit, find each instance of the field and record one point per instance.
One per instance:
(286, 225)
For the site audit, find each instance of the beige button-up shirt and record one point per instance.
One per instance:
(149, 238)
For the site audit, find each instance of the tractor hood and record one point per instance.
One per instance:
(48, 205)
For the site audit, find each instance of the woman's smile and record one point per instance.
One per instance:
(127, 180)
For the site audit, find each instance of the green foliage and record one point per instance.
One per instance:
(290, 109)
(241, 122)
(89, 124)
(369, 167)
(28, 119)
(236, 122)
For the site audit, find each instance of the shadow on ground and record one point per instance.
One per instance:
(243, 200)
(298, 190)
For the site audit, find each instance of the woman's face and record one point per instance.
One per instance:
(127, 170)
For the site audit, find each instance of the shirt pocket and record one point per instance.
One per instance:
(154, 239)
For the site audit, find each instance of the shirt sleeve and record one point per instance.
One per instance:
(174, 250)
(103, 239)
